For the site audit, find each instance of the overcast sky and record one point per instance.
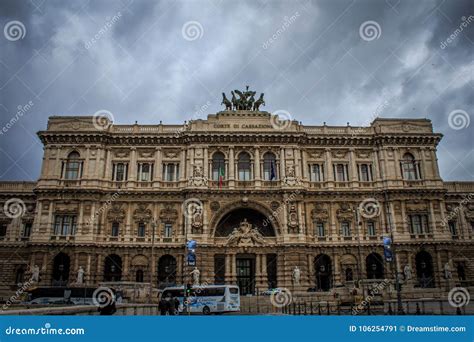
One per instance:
(323, 61)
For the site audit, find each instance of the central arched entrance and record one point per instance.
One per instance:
(246, 229)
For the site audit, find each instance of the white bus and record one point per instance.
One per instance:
(207, 299)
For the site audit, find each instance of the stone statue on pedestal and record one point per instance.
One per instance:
(196, 275)
(80, 275)
(447, 271)
(296, 275)
(35, 275)
(407, 272)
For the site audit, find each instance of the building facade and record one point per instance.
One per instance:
(270, 204)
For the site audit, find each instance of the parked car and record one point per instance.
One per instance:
(269, 292)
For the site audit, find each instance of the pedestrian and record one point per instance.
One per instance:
(176, 306)
(170, 306)
(162, 306)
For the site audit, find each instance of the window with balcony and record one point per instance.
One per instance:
(419, 224)
(171, 172)
(65, 225)
(365, 172)
(73, 166)
(341, 172)
(371, 231)
(218, 167)
(410, 167)
(115, 231)
(145, 172)
(346, 229)
(141, 229)
(120, 172)
(244, 167)
(269, 167)
(316, 173)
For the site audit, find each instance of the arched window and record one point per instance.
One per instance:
(166, 271)
(73, 166)
(20, 275)
(218, 166)
(410, 167)
(269, 167)
(61, 265)
(139, 276)
(349, 274)
(113, 268)
(374, 266)
(424, 269)
(322, 266)
(243, 166)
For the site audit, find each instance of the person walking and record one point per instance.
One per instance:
(163, 306)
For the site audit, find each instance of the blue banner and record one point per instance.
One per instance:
(237, 328)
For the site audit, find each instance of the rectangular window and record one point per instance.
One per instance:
(120, 172)
(371, 228)
(170, 172)
(346, 229)
(316, 173)
(73, 168)
(145, 172)
(365, 173)
(141, 229)
(115, 228)
(3, 230)
(65, 225)
(27, 227)
(341, 173)
(168, 230)
(452, 228)
(320, 231)
(419, 224)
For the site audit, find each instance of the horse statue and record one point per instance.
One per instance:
(235, 102)
(226, 102)
(242, 100)
(250, 101)
(259, 102)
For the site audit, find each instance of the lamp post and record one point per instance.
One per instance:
(153, 226)
(397, 278)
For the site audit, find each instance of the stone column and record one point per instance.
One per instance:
(328, 168)
(183, 172)
(126, 266)
(233, 263)
(228, 269)
(231, 175)
(310, 270)
(99, 275)
(282, 164)
(305, 165)
(258, 272)
(353, 167)
(264, 271)
(337, 269)
(206, 162)
(133, 165)
(88, 277)
(257, 175)
(158, 165)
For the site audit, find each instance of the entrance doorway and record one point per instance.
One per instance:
(246, 275)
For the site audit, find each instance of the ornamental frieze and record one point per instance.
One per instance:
(142, 213)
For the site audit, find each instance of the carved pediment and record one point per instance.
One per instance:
(168, 214)
(142, 214)
(319, 213)
(344, 212)
(245, 236)
(116, 214)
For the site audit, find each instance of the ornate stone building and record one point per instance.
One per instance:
(260, 196)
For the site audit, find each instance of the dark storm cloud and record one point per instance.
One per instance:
(130, 57)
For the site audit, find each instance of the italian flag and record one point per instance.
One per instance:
(221, 177)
